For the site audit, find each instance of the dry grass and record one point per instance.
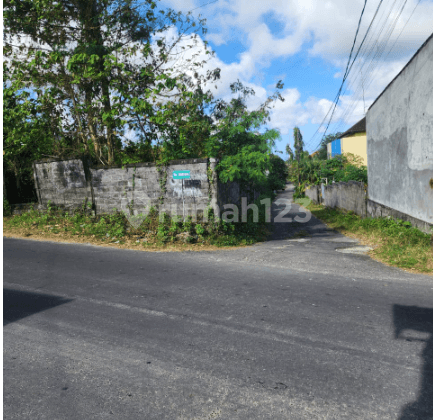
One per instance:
(394, 243)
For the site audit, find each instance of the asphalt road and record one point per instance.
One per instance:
(289, 329)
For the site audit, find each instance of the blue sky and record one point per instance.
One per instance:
(306, 43)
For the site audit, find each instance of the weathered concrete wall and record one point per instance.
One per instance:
(349, 196)
(313, 193)
(352, 196)
(135, 187)
(400, 140)
(378, 210)
(63, 182)
(142, 186)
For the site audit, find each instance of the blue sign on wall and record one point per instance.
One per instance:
(181, 175)
(336, 148)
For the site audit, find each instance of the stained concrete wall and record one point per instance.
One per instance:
(136, 188)
(353, 196)
(313, 193)
(62, 182)
(349, 196)
(140, 185)
(400, 141)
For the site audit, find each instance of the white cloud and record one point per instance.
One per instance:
(328, 28)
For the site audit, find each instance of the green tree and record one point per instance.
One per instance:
(278, 173)
(289, 151)
(28, 135)
(298, 143)
(109, 66)
(236, 140)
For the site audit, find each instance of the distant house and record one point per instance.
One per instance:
(354, 141)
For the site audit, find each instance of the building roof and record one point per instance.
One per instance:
(430, 38)
(359, 127)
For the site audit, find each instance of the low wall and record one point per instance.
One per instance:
(313, 193)
(349, 196)
(352, 196)
(137, 187)
(132, 188)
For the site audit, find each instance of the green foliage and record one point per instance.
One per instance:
(156, 229)
(108, 69)
(278, 173)
(341, 168)
(322, 153)
(28, 133)
(7, 211)
(298, 143)
(243, 151)
(289, 151)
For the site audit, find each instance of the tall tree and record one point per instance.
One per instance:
(238, 139)
(109, 66)
(290, 153)
(298, 143)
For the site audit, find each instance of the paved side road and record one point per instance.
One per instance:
(288, 329)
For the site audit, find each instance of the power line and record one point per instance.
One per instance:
(203, 5)
(373, 68)
(347, 68)
(364, 52)
(333, 107)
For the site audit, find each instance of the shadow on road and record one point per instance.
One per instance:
(18, 304)
(421, 320)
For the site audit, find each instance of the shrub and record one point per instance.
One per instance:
(7, 210)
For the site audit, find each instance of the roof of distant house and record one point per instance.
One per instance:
(359, 127)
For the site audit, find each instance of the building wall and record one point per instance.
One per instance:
(334, 148)
(349, 196)
(356, 144)
(400, 140)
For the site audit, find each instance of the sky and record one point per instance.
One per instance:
(306, 44)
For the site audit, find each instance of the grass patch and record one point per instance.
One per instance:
(395, 242)
(154, 232)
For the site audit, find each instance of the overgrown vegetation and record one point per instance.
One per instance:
(123, 82)
(278, 173)
(306, 169)
(310, 171)
(395, 242)
(155, 229)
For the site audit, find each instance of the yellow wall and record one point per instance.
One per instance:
(356, 144)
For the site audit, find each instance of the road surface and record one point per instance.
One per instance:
(292, 328)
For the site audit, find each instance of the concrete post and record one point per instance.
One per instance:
(213, 186)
